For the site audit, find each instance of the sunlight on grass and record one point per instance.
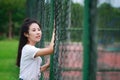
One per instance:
(8, 52)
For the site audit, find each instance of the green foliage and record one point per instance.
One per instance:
(14, 9)
(12, 4)
(8, 52)
(76, 15)
(2, 37)
(108, 16)
(108, 23)
(76, 21)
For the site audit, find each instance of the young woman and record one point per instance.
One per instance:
(28, 58)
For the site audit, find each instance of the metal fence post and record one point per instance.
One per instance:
(89, 41)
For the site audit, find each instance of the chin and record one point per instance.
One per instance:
(37, 40)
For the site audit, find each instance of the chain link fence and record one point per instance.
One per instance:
(101, 60)
(108, 41)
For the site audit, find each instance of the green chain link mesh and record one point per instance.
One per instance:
(108, 41)
(66, 62)
(61, 67)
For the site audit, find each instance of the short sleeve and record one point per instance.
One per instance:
(33, 51)
(30, 51)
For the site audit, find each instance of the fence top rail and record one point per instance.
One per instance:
(99, 29)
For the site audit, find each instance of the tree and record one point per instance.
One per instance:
(9, 8)
(76, 21)
(76, 15)
(108, 16)
(108, 22)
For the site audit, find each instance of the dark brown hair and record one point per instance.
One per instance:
(23, 40)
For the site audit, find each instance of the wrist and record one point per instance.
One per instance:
(47, 65)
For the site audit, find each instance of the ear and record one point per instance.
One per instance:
(25, 34)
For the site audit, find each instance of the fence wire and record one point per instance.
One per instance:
(68, 56)
(108, 42)
(67, 59)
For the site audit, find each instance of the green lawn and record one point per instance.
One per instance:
(8, 52)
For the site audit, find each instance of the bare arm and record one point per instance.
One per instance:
(49, 49)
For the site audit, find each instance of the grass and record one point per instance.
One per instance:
(8, 52)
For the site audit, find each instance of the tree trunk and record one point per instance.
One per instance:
(10, 25)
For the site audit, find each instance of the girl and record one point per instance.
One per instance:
(28, 58)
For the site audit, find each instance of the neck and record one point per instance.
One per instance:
(31, 43)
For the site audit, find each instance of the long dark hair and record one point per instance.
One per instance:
(23, 40)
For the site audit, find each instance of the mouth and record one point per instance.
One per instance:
(38, 37)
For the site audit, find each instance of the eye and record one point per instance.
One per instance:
(33, 30)
(39, 29)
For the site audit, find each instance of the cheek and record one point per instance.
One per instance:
(31, 35)
(41, 33)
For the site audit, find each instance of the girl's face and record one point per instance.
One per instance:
(34, 34)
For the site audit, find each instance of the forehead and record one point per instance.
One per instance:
(34, 25)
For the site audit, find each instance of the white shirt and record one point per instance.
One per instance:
(30, 66)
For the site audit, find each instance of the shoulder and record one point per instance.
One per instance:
(29, 50)
(29, 47)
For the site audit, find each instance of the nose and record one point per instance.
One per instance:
(38, 32)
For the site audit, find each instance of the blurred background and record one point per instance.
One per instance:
(70, 16)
